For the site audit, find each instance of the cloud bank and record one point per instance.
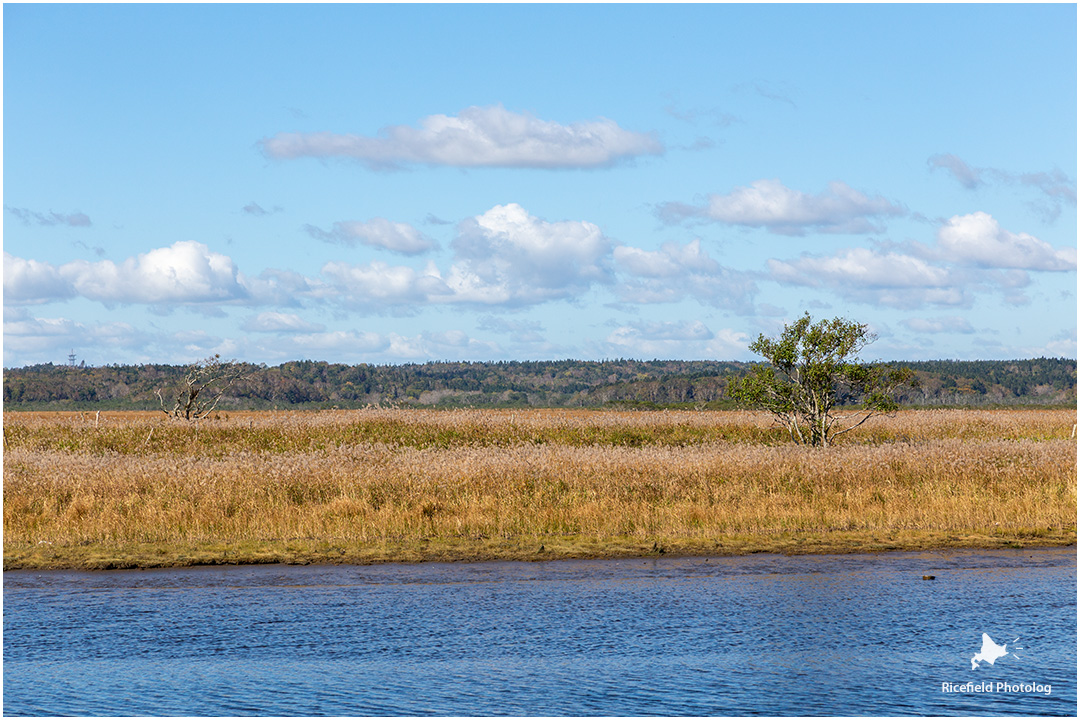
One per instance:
(477, 137)
(771, 205)
(186, 272)
(379, 233)
(973, 252)
(977, 239)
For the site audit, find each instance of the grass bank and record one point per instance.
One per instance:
(83, 490)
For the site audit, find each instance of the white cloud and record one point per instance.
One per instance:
(443, 345)
(678, 271)
(880, 278)
(31, 281)
(285, 288)
(379, 233)
(674, 339)
(977, 239)
(365, 346)
(671, 261)
(954, 325)
(1062, 344)
(667, 330)
(275, 322)
(185, 272)
(339, 341)
(476, 137)
(772, 205)
(51, 339)
(523, 331)
(377, 285)
(860, 266)
(508, 256)
(973, 254)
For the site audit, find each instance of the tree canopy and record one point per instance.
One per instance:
(622, 383)
(815, 384)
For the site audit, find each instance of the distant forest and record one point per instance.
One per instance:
(561, 383)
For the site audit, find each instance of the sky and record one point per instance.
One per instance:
(399, 183)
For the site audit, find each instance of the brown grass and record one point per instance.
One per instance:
(130, 489)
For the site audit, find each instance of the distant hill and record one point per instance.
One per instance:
(560, 383)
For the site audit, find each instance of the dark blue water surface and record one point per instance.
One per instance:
(757, 635)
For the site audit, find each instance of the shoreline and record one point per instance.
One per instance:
(145, 556)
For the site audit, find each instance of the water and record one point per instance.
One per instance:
(757, 635)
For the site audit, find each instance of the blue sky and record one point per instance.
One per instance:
(398, 183)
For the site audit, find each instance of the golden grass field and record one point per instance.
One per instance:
(120, 489)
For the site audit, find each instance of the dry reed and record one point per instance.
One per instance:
(406, 476)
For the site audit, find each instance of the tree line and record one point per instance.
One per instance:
(558, 383)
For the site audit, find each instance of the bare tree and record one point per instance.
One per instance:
(205, 383)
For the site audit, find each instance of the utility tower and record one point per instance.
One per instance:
(71, 358)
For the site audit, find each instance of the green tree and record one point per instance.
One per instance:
(815, 385)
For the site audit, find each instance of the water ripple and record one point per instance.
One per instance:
(761, 635)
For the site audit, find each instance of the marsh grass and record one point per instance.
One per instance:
(359, 486)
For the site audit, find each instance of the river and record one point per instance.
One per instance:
(754, 635)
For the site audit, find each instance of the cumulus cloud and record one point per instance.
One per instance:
(1062, 344)
(872, 276)
(387, 347)
(667, 330)
(30, 217)
(670, 261)
(276, 322)
(508, 256)
(502, 257)
(673, 339)
(524, 331)
(50, 339)
(861, 266)
(283, 288)
(340, 341)
(978, 239)
(185, 272)
(954, 325)
(476, 137)
(378, 232)
(678, 271)
(973, 253)
(772, 205)
(376, 286)
(31, 281)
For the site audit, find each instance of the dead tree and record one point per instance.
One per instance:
(205, 383)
